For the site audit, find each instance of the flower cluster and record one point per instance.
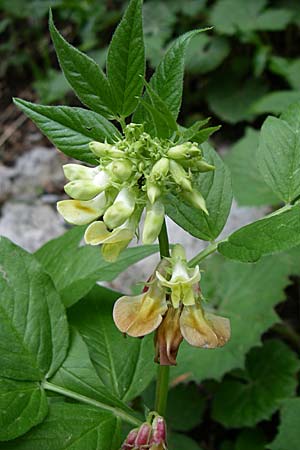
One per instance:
(149, 436)
(172, 305)
(134, 173)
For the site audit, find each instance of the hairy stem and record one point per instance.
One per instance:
(162, 383)
(90, 401)
(211, 248)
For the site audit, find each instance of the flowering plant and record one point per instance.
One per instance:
(69, 378)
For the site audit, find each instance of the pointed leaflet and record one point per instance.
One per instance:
(70, 129)
(246, 294)
(249, 187)
(215, 186)
(33, 325)
(167, 80)
(125, 377)
(22, 406)
(278, 155)
(78, 374)
(268, 379)
(277, 232)
(75, 269)
(126, 60)
(71, 427)
(83, 74)
(289, 431)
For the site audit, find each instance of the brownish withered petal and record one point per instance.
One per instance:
(168, 338)
(202, 329)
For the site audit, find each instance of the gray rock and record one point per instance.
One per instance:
(37, 170)
(30, 225)
(6, 185)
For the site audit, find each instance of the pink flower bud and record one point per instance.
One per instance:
(159, 432)
(143, 436)
(128, 444)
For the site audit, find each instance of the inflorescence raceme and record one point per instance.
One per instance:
(134, 173)
(172, 304)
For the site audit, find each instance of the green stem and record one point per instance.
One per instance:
(288, 333)
(211, 248)
(162, 383)
(82, 398)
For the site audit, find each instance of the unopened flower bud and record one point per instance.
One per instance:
(153, 191)
(182, 151)
(180, 176)
(143, 435)
(78, 172)
(153, 222)
(160, 169)
(120, 170)
(120, 210)
(195, 199)
(102, 149)
(159, 431)
(128, 444)
(202, 166)
(82, 189)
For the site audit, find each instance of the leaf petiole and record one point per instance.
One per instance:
(82, 398)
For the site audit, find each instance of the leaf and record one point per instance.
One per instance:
(247, 294)
(252, 439)
(70, 129)
(204, 134)
(274, 102)
(178, 441)
(184, 419)
(22, 406)
(125, 377)
(268, 379)
(205, 53)
(187, 134)
(289, 69)
(278, 157)
(289, 432)
(33, 325)
(249, 187)
(163, 122)
(167, 80)
(84, 75)
(215, 187)
(75, 269)
(231, 99)
(78, 374)
(277, 232)
(70, 427)
(247, 17)
(126, 60)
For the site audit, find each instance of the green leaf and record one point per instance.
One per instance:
(249, 187)
(167, 80)
(247, 294)
(187, 134)
(75, 269)
(178, 441)
(277, 232)
(289, 431)
(274, 102)
(71, 427)
(84, 75)
(70, 129)
(287, 68)
(247, 17)
(231, 99)
(268, 379)
(125, 377)
(205, 53)
(204, 134)
(126, 60)
(253, 439)
(184, 419)
(22, 406)
(215, 187)
(33, 325)
(278, 156)
(78, 374)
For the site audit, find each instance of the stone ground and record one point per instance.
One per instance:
(28, 194)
